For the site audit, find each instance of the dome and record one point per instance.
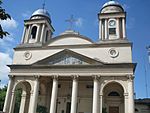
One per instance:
(112, 7)
(41, 12)
(111, 3)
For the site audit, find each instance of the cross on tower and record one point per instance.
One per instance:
(43, 4)
(71, 21)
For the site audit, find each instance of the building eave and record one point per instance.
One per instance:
(95, 66)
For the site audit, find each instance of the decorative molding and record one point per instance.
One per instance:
(27, 55)
(130, 77)
(113, 53)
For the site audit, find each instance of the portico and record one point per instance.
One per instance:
(57, 90)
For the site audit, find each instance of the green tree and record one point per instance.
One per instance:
(18, 93)
(3, 16)
(2, 97)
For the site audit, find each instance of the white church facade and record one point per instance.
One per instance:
(70, 73)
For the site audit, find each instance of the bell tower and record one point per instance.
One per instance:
(38, 28)
(112, 22)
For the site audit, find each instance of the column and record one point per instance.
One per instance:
(123, 28)
(131, 95)
(101, 103)
(74, 95)
(54, 95)
(125, 103)
(23, 34)
(42, 33)
(34, 96)
(118, 28)
(8, 95)
(12, 102)
(38, 33)
(96, 95)
(28, 34)
(106, 29)
(100, 29)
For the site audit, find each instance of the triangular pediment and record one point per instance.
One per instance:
(68, 57)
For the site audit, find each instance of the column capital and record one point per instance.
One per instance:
(125, 94)
(100, 95)
(11, 76)
(75, 77)
(55, 77)
(36, 77)
(130, 77)
(96, 77)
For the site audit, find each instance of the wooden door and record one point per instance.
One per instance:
(113, 109)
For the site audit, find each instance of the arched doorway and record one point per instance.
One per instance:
(21, 98)
(113, 98)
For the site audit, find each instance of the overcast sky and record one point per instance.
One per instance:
(85, 11)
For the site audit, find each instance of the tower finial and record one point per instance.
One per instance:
(43, 4)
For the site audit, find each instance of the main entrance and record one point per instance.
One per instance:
(113, 109)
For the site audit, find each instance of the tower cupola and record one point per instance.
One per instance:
(112, 21)
(40, 14)
(38, 28)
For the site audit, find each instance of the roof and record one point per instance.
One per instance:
(145, 101)
(41, 12)
(111, 3)
(69, 37)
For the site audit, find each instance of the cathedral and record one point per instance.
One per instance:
(70, 73)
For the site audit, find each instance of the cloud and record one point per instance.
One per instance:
(5, 60)
(79, 22)
(6, 45)
(26, 14)
(9, 24)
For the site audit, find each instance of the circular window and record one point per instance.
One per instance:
(27, 55)
(113, 53)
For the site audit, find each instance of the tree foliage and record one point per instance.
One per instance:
(2, 97)
(3, 16)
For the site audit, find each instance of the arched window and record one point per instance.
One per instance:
(113, 93)
(33, 32)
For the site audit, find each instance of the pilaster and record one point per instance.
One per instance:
(118, 28)
(131, 94)
(8, 94)
(123, 28)
(42, 33)
(34, 96)
(106, 29)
